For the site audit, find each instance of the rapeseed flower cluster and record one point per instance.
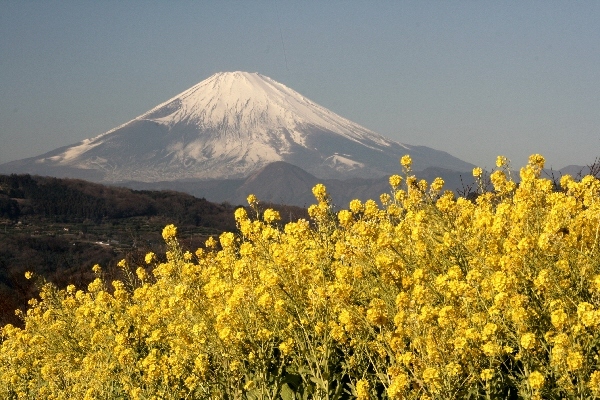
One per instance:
(422, 296)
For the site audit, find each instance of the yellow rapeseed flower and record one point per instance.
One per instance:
(501, 161)
(252, 200)
(240, 214)
(227, 239)
(574, 360)
(345, 217)
(319, 191)
(594, 383)
(398, 385)
(141, 273)
(356, 206)
(169, 232)
(528, 341)
(362, 389)
(287, 347)
(437, 184)
(150, 256)
(536, 380)
(406, 161)
(558, 318)
(270, 216)
(431, 377)
(487, 374)
(537, 160)
(395, 181)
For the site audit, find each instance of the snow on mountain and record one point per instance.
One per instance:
(241, 103)
(228, 126)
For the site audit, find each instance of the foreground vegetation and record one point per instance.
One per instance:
(425, 296)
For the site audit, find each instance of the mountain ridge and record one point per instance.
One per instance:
(284, 183)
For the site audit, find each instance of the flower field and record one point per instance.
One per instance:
(420, 295)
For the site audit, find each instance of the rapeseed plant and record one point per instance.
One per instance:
(423, 296)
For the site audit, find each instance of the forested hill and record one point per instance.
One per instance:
(60, 228)
(71, 200)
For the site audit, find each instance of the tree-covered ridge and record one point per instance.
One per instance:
(71, 199)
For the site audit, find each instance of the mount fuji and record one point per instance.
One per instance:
(228, 127)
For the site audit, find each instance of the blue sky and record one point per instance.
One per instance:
(473, 78)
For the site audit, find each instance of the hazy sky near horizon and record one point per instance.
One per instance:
(473, 78)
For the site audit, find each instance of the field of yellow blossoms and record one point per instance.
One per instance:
(420, 295)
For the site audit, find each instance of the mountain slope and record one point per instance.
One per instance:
(229, 126)
(283, 183)
(279, 183)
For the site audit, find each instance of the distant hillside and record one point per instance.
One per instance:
(72, 200)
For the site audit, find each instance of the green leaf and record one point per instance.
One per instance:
(287, 393)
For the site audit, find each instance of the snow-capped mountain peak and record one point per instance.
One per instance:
(243, 102)
(232, 124)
